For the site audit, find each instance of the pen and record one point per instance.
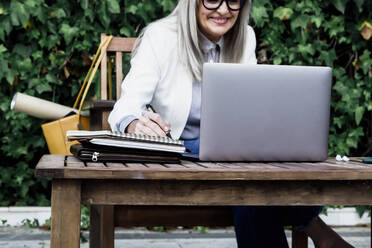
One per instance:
(151, 109)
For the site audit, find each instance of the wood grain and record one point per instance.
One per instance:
(65, 225)
(299, 239)
(121, 44)
(130, 216)
(101, 232)
(217, 193)
(119, 73)
(72, 162)
(104, 73)
(52, 166)
(51, 161)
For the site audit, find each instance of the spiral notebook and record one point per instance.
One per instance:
(127, 140)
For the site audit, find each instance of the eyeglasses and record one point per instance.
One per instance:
(233, 5)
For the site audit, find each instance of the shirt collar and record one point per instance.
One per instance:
(206, 45)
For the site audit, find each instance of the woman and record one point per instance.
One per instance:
(166, 69)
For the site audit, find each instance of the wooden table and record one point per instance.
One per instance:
(196, 184)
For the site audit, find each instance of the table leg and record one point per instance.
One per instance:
(101, 233)
(66, 198)
(299, 239)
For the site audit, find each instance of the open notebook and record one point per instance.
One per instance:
(127, 140)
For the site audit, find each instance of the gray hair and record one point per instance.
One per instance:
(189, 50)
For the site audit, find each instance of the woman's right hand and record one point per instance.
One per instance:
(149, 124)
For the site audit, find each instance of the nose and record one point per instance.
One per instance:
(223, 9)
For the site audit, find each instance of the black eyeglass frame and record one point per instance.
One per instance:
(227, 3)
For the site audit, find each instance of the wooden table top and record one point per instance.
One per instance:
(69, 167)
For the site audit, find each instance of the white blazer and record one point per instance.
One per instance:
(157, 77)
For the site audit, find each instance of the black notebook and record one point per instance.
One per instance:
(97, 153)
(127, 140)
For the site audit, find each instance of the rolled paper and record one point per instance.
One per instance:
(40, 108)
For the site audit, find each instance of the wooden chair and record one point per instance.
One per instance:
(103, 219)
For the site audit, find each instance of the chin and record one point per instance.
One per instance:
(217, 32)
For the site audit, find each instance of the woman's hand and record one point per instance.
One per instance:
(149, 124)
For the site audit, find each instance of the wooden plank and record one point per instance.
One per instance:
(115, 165)
(347, 165)
(101, 227)
(65, 225)
(211, 174)
(51, 166)
(319, 166)
(258, 166)
(176, 167)
(130, 216)
(156, 167)
(93, 165)
(94, 227)
(202, 171)
(217, 193)
(192, 165)
(72, 162)
(104, 73)
(211, 165)
(357, 162)
(51, 161)
(121, 44)
(285, 166)
(136, 166)
(119, 73)
(299, 239)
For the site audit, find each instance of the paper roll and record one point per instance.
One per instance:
(39, 108)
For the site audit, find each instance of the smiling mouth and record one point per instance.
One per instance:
(219, 21)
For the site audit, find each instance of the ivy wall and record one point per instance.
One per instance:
(46, 48)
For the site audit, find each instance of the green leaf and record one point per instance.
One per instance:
(359, 4)
(283, 13)
(14, 19)
(277, 61)
(340, 5)
(60, 13)
(126, 31)
(51, 78)
(68, 32)
(2, 49)
(317, 20)
(18, 11)
(41, 88)
(22, 50)
(132, 9)
(259, 14)
(113, 6)
(25, 65)
(84, 4)
(300, 21)
(359, 111)
(306, 49)
(366, 61)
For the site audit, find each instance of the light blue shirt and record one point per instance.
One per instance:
(211, 55)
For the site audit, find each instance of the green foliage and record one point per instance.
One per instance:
(31, 223)
(46, 48)
(202, 229)
(325, 33)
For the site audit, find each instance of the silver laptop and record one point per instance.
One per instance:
(265, 113)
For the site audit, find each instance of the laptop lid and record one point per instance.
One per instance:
(265, 112)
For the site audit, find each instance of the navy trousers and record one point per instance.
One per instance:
(263, 226)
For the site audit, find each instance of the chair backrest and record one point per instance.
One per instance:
(117, 45)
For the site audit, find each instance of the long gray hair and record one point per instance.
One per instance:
(189, 50)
